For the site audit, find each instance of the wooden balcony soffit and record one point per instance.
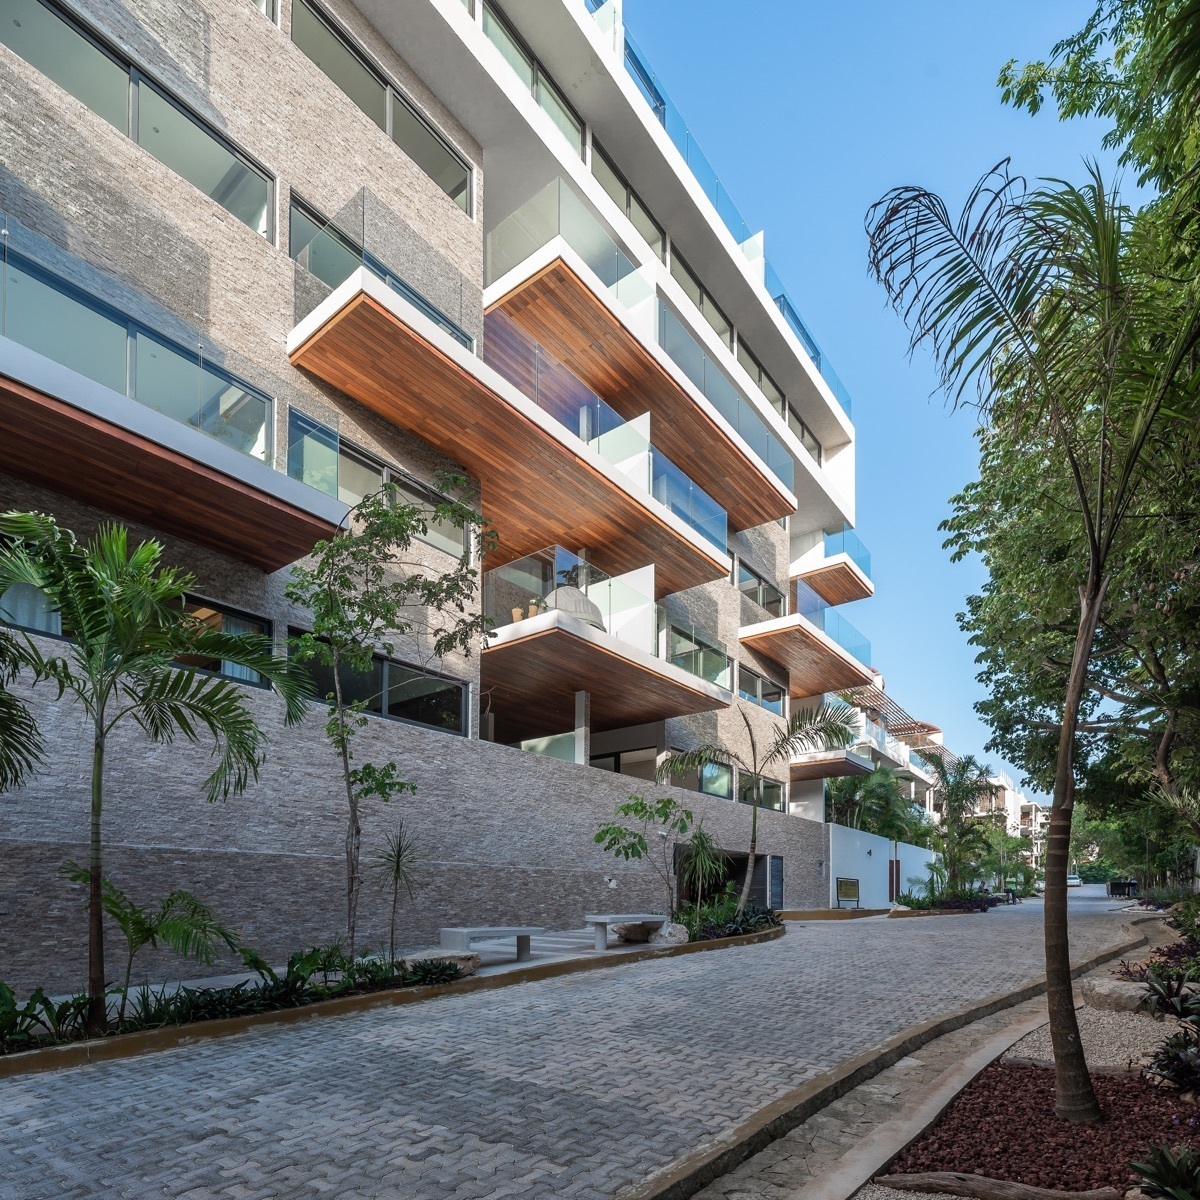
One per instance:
(530, 685)
(560, 311)
(829, 764)
(47, 442)
(535, 489)
(838, 582)
(813, 662)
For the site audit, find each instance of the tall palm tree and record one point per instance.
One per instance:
(872, 802)
(826, 727)
(123, 615)
(961, 788)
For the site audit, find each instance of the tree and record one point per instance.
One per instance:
(660, 827)
(1080, 347)
(395, 867)
(22, 751)
(123, 613)
(701, 864)
(874, 803)
(821, 728)
(1003, 852)
(366, 592)
(181, 922)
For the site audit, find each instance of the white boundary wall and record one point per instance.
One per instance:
(854, 854)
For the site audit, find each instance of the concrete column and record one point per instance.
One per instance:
(583, 727)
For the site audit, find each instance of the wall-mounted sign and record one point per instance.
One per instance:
(847, 892)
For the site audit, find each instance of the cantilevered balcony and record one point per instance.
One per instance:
(820, 650)
(122, 413)
(837, 566)
(542, 482)
(554, 271)
(829, 764)
(564, 626)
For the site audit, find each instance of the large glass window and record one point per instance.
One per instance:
(224, 620)
(26, 607)
(755, 587)
(106, 82)
(761, 691)
(398, 691)
(713, 779)
(626, 200)
(770, 791)
(762, 380)
(805, 435)
(443, 534)
(699, 295)
(349, 68)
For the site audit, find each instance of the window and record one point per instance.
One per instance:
(627, 201)
(399, 692)
(687, 650)
(759, 690)
(805, 435)
(531, 73)
(699, 296)
(224, 620)
(111, 86)
(24, 606)
(266, 7)
(318, 456)
(770, 791)
(56, 319)
(638, 764)
(319, 38)
(755, 587)
(761, 379)
(713, 779)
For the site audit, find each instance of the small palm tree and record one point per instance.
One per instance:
(123, 613)
(395, 868)
(701, 865)
(826, 727)
(872, 802)
(961, 788)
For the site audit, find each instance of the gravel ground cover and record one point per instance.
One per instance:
(1110, 1039)
(1003, 1126)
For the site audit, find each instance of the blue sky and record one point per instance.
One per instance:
(809, 113)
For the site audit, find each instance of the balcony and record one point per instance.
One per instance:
(124, 413)
(815, 663)
(541, 480)
(565, 626)
(875, 743)
(837, 566)
(567, 284)
(829, 764)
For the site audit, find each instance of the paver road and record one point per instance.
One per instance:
(573, 1087)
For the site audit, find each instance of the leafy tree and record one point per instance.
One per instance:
(660, 826)
(1081, 348)
(181, 922)
(123, 613)
(1003, 855)
(821, 728)
(396, 869)
(366, 591)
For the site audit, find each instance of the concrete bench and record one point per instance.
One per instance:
(601, 923)
(460, 938)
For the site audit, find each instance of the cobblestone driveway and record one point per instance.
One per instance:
(573, 1087)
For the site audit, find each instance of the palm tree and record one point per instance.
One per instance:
(22, 750)
(872, 802)
(123, 613)
(961, 788)
(822, 728)
(395, 868)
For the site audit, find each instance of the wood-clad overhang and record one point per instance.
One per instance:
(540, 485)
(556, 308)
(838, 580)
(829, 764)
(66, 449)
(530, 675)
(814, 662)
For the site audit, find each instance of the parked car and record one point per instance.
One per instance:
(1074, 881)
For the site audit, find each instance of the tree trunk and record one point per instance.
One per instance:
(97, 1012)
(125, 989)
(392, 931)
(745, 896)
(353, 831)
(1075, 1098)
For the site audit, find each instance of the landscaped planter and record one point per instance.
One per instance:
(934, 912)
(131, 1045)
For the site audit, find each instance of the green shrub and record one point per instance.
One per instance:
(427, 971)
(1173, 1174)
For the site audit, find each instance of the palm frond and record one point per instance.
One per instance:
(682, 762)
(828, 727)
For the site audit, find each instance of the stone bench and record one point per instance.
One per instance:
(602, 922)
(460, 938)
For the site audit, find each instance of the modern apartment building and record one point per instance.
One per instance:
(259, 258)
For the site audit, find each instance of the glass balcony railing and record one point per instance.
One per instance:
(511, 352)
(696, 652)
(686, 353)
(366, 233)
(656, 96)
(846, 541)
(554, 579)
(831, 623)
(50, 302)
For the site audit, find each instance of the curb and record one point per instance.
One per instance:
(150, 1041)
(720, 1156)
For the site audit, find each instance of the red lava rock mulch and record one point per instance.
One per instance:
(1003, 1126)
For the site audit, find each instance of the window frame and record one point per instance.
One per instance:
(382, 660)
(228, 610)
(707, 299)
(747, 776)
(740, 566)
(32, 629)
(757, 698)
(631, 197)
(392, 93)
